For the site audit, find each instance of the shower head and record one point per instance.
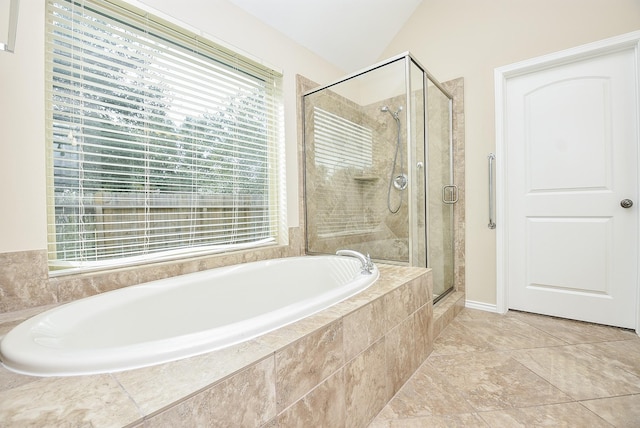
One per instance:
(395, 115)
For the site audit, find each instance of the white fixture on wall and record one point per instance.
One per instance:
(8, 24)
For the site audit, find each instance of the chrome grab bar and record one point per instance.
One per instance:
(492, 223)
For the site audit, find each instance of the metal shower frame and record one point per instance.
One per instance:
(427, 77)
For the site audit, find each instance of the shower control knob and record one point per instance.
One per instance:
(626, 203)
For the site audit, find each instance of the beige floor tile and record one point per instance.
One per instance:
(555, 415)
(457, 338)
(520, 370)
(578, 373)
(571, 331)
(478, 331)
(448, 421)
(624, 353)
(621, 412)
(428, 393)
(494, 380)
(508, 333)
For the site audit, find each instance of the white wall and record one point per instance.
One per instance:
(22, 174)
(469, 39)
(22, 115)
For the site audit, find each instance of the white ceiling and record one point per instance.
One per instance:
(351, 34)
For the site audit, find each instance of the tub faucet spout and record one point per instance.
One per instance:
(367, 264)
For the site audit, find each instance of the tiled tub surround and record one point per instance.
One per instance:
(336, 368)
(25, 280)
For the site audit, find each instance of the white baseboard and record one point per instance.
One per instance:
(480, 306)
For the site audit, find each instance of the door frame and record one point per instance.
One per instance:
(501, 76)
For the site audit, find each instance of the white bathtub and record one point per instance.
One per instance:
(174, 318)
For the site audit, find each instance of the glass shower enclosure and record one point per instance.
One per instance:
(379, 170)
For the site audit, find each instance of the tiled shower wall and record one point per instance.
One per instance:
(392, 231)
(331, 197)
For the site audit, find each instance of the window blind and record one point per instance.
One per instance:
(160, 142)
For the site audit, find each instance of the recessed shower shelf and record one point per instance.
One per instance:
(366, 179)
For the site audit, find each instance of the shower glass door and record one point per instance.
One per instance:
(442, 194)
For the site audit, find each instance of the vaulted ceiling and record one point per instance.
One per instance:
(351, 34)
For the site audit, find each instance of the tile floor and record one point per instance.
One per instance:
(522, 370)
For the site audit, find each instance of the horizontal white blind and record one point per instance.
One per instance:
(159, 142)
(343, 153)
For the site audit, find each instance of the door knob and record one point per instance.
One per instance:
(626, 203)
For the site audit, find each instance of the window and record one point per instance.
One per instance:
(160, 142)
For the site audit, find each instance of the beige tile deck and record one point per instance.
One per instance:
(520, 369)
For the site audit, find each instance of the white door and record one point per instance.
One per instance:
(571, 159)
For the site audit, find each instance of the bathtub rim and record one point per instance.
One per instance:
(59, 363)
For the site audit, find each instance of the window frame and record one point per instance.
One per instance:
(175, 33)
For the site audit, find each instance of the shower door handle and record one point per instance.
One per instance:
(492, 223)
(450, 194)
